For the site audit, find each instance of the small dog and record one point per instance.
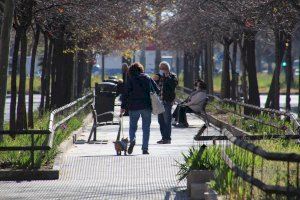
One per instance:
(121, 145)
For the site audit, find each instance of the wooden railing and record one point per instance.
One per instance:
(233, 143)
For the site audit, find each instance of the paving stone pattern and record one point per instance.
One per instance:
(92, 171)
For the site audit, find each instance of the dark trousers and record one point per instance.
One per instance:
(180, 113)
(165, 121)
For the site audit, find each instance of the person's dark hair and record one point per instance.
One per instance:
(201, 84)
(136, 69)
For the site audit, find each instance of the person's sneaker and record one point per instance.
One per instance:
(145, 152)
(167, 142)
(164, 142)
(181, 125)
(160, 141)
(130, 149)
(200, 132)
(186, 125)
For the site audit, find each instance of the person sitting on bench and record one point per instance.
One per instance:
(193, 104)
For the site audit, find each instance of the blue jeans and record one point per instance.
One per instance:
(134, 116)
(165, 120)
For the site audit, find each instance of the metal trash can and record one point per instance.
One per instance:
(106, 86)
(115, 81)
(105, 95)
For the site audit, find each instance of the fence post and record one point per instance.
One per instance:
(32, 151)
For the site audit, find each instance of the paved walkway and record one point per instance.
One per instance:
(92, 171)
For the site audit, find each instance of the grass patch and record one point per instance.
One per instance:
(21, 159)
(36, 84)
(264, 83)
(269, 172)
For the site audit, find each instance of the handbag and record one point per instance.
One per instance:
(157, 105)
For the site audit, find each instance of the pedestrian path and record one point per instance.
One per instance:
(92, 171)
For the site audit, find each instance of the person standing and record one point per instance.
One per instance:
(167, 82)
(137, 101)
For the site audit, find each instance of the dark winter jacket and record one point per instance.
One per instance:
(137, 92)
(167, 86)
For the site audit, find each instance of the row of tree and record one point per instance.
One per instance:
(196, 25)
(69, 33)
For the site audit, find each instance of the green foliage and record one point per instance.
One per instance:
(197, 158)
(269, 172)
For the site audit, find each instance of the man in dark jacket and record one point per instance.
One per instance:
(167, 82)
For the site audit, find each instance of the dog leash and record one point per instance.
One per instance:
(122, 126)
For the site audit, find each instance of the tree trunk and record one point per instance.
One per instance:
(31, 81)
(274, 92)
(188, 70)
(196, 66)
(67, 79)
(55, 62)
(21, 109)
(235, 77)
(205, 73)
(210, 66)
(185, 68)
(13, 95)
(244, 73)
(103, 67)
(177, 63)
(202, 63)
(251, 69)
(258, 58)
(288, 72)
(43, 82)
(4, 55)
(157, 51)
(75, 76)
(225, 85)
(82, 65)
(143, 54)
(47, 75)
(157, 59)
(88, 78)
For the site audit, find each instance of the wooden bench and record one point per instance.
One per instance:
(99, 124)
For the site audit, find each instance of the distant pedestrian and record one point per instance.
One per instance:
(167, 82)
(137, 101)
(124, 72)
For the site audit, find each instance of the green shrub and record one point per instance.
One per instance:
(198, 158)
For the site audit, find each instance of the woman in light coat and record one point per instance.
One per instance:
(194, 104)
